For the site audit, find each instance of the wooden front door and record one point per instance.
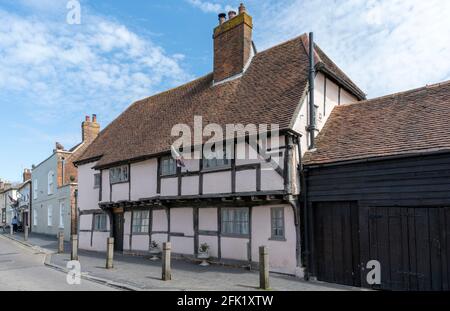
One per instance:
(336, 242)
(412, 246)
(118, 223)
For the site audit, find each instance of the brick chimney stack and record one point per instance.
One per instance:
(26, 174)
(90, 129)
(232, 44)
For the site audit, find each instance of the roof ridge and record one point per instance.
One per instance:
(393, 95)
(281, 43)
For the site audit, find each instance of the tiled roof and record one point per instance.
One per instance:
(269, 92)
(410, 122)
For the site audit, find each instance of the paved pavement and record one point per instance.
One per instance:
(22, 269)
(140, 273)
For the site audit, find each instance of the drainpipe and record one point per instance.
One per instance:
(312, 108)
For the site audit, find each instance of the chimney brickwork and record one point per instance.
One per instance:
(232, 44)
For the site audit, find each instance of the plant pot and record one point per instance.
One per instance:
(204, 256)
(154, 251)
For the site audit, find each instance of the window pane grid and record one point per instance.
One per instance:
(235, 221)
(141, 222)
(277, 222)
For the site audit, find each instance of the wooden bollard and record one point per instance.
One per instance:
(263, 268)
(109, 253)
(60, 242)
(74, 253)
(166, 270)
(25, 233)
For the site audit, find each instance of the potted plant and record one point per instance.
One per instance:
(203, 253)
(154, 250)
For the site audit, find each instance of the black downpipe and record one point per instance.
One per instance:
(312, 107)
(303, 188)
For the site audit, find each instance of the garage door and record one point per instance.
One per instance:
(336, 243)
(412, 245)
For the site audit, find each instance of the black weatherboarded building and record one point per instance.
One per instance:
(377, 187)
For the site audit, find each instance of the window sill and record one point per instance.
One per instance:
(217, 169)
(276, 239)
(236, 236)
(119, 182)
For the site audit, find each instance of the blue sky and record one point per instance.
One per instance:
(53, 74)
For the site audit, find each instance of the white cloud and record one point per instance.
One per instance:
(384, 45)
(100, 66)
(210, 7)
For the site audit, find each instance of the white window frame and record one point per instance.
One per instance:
(277, 224)
(62, 210)
(35, 189)
(236, 222)
(168, 166)
(97, 180)
(50, 182)
(49, 215)
(100, 222)
(119, 174)
(141, 221)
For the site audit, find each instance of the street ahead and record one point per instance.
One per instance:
(24, 270)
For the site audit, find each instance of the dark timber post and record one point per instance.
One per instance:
(60, 242)
(166, 270)
(109, 253)
(263, 267)
(74, 254)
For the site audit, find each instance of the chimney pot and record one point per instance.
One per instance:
(222, 18)
(242, 9)
(231, 14)
(88, 119)
(94, 118)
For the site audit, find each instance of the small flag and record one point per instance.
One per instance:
(178, 157)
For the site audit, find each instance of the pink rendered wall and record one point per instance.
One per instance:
(282, 254)
(270, 180)
(85, 222)
(234, 248)
(159, 221)
(301, 122)
(144, 179)
(217, 182)
(346, 98)
(207, 219)
(182, 221)
(169, 186)
(141, 242)
(87, 194)
(189, 185)
(246, 181)
(182, 245)
(120, 192)
(105, 186)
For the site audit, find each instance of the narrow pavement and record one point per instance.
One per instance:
(22, 269)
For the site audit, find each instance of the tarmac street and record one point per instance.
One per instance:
(23, 269)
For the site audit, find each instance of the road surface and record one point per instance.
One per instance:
(23, 269)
